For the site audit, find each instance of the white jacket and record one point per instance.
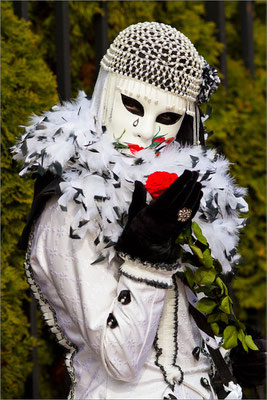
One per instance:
(77, 299)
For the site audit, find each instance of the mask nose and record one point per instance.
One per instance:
(145, 130)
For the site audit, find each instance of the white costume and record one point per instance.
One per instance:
(126, 324)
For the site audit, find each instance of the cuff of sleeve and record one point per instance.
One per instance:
(157, 275)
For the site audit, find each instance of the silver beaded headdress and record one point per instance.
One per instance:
(156, 54)
(164, 58)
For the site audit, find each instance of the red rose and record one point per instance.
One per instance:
(158, 182)
(134, 148)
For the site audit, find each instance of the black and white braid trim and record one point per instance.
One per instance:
(49, 316)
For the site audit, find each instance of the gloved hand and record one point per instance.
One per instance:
(152, 229)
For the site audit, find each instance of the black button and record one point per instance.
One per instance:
(125, 297)
(205, 383)
(111, 321)
(196, 352)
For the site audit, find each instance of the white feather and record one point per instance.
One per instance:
(90, 163)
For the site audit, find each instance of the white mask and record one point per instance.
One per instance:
(143, 115)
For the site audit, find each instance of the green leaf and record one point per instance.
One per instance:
(197, 251)
(241, 325)
(230, 337)
(207, 259)
(189, 277)
(222, 286)
(206, 305)
(225, 305)
(204, 276)
(188, 232)
(214, 318)
(185, 236)
(207, 290)
(241, 336)
(181, 239)
(198, 233)
(217, 265)
(218, 317)
(250, 343)
(215, 328)
(224, 318)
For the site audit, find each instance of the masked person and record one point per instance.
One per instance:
(102, 257)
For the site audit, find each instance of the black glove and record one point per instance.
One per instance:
(152, 229)
(250, 368)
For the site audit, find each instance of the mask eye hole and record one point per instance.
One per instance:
(132, 105)
(168, 118)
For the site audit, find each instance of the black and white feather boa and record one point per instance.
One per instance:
(100, 180)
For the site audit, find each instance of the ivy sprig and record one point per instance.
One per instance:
(207, 279)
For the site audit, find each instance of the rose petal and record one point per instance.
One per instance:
(158, 182)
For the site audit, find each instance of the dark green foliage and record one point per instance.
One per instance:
(239, 125)
(121, 14)
(82, 36)
(27, 86)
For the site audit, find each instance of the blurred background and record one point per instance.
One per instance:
(50, 50)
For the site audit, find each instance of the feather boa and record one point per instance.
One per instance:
(100, 180)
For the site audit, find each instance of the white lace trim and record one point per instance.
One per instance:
(50, 318)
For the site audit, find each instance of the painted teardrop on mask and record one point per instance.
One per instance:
(136, 122)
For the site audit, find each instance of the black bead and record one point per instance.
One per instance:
(125, 297)
(196, 352)
(111, 321)
(205, 383)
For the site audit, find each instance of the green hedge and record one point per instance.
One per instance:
(27, 86)
(239, 125)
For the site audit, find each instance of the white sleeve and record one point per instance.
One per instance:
(115, 314)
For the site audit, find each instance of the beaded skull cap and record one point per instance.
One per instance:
(160, 55)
